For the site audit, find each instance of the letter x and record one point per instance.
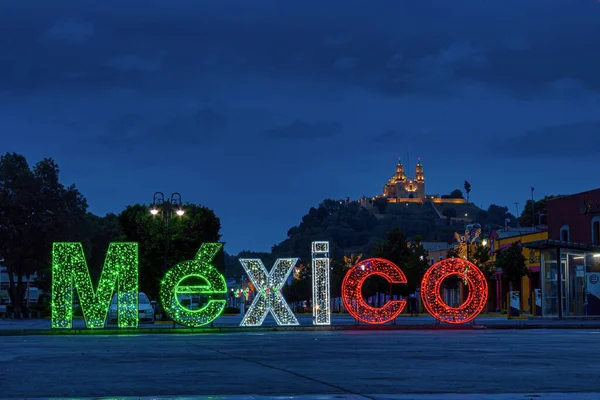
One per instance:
(268, 292)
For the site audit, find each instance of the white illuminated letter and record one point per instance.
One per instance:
(268, 292)
(320, 283)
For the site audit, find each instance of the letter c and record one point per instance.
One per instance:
(352, 291)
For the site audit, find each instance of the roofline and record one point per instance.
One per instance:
(553, 244)
(574, 194)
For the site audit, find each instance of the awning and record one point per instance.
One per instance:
(553, 244)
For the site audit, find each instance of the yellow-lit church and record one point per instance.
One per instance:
(401, 188)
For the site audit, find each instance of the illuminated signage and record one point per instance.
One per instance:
(199, 277)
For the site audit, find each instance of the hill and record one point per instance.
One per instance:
(352, 229)
(463, 211)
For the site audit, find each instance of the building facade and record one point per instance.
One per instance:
(570, 257)
(400, 187)
(530, 285)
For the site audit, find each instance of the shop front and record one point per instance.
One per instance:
(569, 279)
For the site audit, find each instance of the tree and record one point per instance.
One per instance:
(512, 262)
(395, 249)
(452, 253)
(35, 211)
(498, 214)
(526, 218)
(456, 194)
(187, 233)
(99, 233)
(481, 257)
(381, 204)
(417, 265)
(449, 213)
(467, 189)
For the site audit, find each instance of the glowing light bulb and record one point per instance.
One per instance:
(180, 212)
(154, 211)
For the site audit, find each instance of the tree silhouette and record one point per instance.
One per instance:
(467, 189)
(449, 213)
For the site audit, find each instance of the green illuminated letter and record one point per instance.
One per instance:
(199, 269)
(70, 272)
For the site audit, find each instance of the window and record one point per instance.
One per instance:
(596, 230)
(565, 233)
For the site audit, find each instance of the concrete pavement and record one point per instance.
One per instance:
(446, 396)
(11, 327)
(455, 364)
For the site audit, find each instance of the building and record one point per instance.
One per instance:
(575, 218)
(570, 257)
(530, 285)
(401, 188)
(437, 250)
(31, 294)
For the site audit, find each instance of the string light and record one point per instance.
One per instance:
(320, 283)
(70, 272)
(199, 268)
(268, 292)
(352, 291)
(469, 273)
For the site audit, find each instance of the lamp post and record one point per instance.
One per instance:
(165, 208)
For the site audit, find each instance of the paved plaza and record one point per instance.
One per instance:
(410, 364)
(344, 321)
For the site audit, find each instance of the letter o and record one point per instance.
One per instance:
(352, 291)
(432, 298)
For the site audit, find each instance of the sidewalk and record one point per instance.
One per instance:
(445, 396)
(230, 324)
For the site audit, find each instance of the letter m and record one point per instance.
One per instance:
(70, 273)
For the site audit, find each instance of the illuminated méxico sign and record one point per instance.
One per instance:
(120, 274)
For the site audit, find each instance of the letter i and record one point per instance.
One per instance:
(320, 283)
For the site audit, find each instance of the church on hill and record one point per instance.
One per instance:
(401, 188)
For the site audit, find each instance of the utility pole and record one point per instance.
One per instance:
(516, 203)
(532, 209)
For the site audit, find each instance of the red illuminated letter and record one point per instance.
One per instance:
(352, 291)
(471, 276)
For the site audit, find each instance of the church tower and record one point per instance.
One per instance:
(420, 180)
(390, 190)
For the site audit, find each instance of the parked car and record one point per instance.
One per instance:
(145, 309)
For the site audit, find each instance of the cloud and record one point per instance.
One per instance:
(566, 141)
(132, 131)
(345, 63)
(187, 129)
(413, 47)
(396, 61)
(389, 136)
(137, 62)
(71, 31)
(303, 130)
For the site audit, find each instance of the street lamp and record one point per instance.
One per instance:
(159, 205)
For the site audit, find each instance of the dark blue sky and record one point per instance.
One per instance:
(261, 109)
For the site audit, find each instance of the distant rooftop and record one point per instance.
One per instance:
(525, 230)
(432, 246)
